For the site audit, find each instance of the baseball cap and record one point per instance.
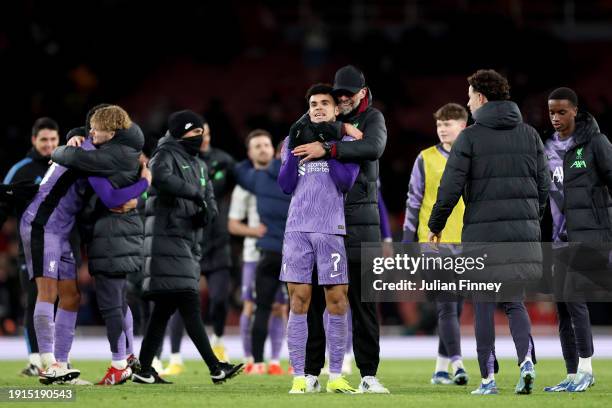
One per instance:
(349, 78)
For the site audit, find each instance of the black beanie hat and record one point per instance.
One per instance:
(183, 121)
(77, 131)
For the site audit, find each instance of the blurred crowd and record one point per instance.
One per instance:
(247, 65)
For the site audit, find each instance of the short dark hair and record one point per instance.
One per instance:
(451, 111)
(44, 123)
(564, 93)
(491, 84)
(318, 89)
(256, 133)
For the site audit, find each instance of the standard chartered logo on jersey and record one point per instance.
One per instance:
(313, 167)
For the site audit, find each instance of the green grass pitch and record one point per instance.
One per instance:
(408, 381)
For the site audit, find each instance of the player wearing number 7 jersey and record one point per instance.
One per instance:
(315, 235)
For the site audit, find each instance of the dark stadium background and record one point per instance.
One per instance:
(247, 64)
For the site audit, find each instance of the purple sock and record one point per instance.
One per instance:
(128, 330)
(349, 331)
(44, 326)
(65, 323)
(297, 334)
(245, 335)
(336, 335)
(276, 331)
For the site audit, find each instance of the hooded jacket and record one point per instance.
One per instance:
(498, 165)
(587, 180)
(174, 218)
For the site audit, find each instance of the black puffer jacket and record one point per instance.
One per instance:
(114, 241)
(587, 180)
(361, 205)
(173, 228)
(498, 165)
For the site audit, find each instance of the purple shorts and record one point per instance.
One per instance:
(301, 250)
(47, 255)
(248, 285)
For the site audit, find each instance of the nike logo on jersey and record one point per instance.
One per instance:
(185, 167)
(336, 275)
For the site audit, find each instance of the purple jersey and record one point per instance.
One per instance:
(555, 149)
(48, 220)
(59, 199)
(317, 203)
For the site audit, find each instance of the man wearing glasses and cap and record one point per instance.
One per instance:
(362, 223)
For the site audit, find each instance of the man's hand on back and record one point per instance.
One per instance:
(76, 141)
(128, 206)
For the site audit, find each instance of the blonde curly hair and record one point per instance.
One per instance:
(110, 118)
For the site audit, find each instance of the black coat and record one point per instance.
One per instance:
(498, 165)
(173, 226)
(587, 180)
(361, 204)
(114, 241)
